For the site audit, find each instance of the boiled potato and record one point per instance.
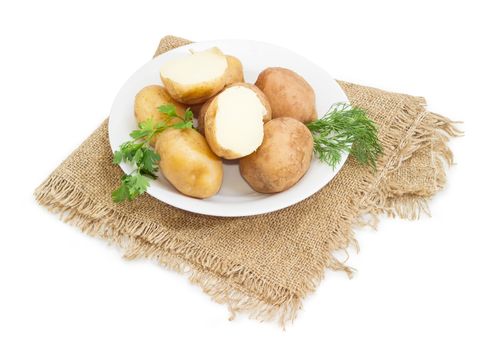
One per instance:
(235, 71)
(282, 159)
(195, 77)
(188, 163)
(233, 121)
(288, 94)
(201, 114)
(234, 74)
(147, 102)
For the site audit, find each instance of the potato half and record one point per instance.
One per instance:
(233, 121)
(188, 163)
(149, 99)
(235, 71)
(288, 94)
(282, 159)
(195, 77)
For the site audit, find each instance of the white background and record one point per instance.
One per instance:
(426, 284)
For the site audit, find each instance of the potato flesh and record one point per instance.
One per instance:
(239, 120)
(196, 68)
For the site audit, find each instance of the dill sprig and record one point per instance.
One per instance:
(345, 129)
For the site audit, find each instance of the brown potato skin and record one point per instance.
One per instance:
(235, 70)
(188, 163)
(208, 114)
(149, 99)
(288, 94)
(282, 159)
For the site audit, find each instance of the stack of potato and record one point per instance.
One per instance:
(261, 125)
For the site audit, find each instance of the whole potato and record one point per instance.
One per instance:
(147, 102)
(288, 94)
(235, 71)
(188, 163)
(282, 159)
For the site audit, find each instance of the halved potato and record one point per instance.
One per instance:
(233, 121)
(235, 71)
(188, 163)
(147, 102)
(196, 77)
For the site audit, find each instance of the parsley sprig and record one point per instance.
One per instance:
(345, 129)
(139, 153)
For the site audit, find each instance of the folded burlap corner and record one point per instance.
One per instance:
(263, 265)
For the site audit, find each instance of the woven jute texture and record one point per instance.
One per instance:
(263, 265)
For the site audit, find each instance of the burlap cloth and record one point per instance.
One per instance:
(262, 265)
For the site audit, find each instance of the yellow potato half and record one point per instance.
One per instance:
(195, 77)
(233, 121)
(188, 163)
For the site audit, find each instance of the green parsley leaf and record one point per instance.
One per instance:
(139, 153)
(117, 157)
(183, 125)
(121, 193)
(168, 109)
(150, 160)
(188, 115)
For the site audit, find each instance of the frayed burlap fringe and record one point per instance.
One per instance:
(58, 195)
(428, 130)
(412, 131)
(74, 207)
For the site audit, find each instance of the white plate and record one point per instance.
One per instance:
(235, 198)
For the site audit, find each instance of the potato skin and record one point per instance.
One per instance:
(208, 115)
(193, 94)
(282, 159)
(288, 94)
(235, 70)
(149, 99)
(201, 115)
(188, 163)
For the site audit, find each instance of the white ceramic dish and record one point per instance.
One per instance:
(235, 198)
